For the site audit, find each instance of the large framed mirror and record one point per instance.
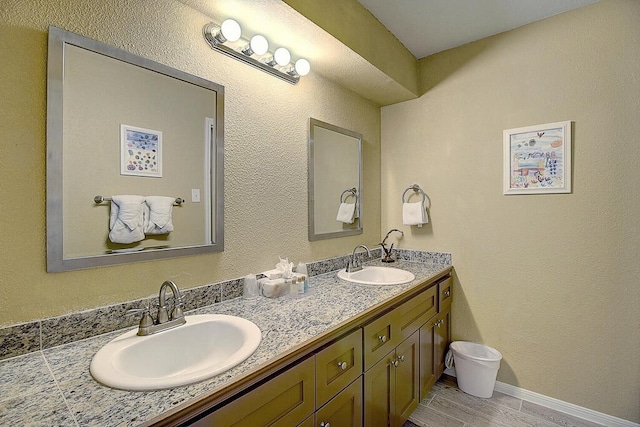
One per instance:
(335, 179)
(135, 158)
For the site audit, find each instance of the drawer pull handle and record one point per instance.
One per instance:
(401, 358)
(382, 338)
(323, 424)
(395, 363)
(447, 293)
(342, 366)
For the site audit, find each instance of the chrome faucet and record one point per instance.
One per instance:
(354, 264)
(164, 321)
(163, 313)
(387, 252)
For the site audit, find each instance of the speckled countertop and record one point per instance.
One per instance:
(54, 386)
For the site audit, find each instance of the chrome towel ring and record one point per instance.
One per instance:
(349, 190)
(416, 188)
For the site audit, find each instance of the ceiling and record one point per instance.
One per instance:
(423, 26)
(426, 27)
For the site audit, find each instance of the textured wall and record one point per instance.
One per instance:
(265, 156)
(549, 280)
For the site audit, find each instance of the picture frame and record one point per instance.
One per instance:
(537, 159)
(140, 151)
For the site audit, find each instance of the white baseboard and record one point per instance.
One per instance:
(558, 405)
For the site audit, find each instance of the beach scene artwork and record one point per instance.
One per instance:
(141, 151)
(538, 159)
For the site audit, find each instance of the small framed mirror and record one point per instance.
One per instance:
(335, 178)
(122, 125)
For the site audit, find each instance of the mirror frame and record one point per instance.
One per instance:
(57, 41)
(313, 236)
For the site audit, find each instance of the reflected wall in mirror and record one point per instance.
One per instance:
(120, 124)
(335, 173)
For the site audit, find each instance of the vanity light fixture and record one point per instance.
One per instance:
(228, 31)
(300, 68)
(255, 52)
(258, 46)
(281, 57)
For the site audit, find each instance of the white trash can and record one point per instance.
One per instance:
(476, 367)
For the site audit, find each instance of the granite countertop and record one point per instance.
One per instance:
(54, 386)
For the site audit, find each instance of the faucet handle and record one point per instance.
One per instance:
(177, 312)
(146, 320)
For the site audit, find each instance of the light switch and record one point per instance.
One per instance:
(195, 195)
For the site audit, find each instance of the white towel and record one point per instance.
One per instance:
(346, 213)
(414, 214)
(158, 210)
(126, 219)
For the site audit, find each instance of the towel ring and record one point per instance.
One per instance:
(416, 188)
(100, 199)
(349, 190)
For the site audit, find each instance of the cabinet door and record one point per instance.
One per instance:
(442, 338)
(427, 354)
(309, 422)
(337, 366)
(380, 392)
(344, 410)
(407, 380)
(284, 401)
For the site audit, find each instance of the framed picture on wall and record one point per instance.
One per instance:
(537, 159)
(140, 151)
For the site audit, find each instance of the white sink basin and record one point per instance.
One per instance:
(206, 345)
(374, 275)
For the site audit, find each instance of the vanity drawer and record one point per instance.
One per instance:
(417, 311)
(380, 337)
(283, 401)
(444, 294)
(337, 366)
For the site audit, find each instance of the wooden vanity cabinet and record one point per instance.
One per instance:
(417, 311)
(391, 386)
(434, 339)
(435, 336)
(380, 337)
(337, 366)
(344, 410)
(442, 338)
(374, 374)
(286, 400)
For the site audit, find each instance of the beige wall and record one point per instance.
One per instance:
(552, 281)
(266, 134)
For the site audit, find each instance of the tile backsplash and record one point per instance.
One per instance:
(41, 334)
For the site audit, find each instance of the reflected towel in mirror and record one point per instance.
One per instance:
(158, 211)
(414, 214)
(346, 213)
(126, 219)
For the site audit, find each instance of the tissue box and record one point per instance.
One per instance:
(273, 288)
(272, 274)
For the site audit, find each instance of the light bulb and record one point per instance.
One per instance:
(282, 56)
(259, 44)
(302, 67)
(230, 30)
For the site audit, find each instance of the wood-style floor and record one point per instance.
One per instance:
(448, 406)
